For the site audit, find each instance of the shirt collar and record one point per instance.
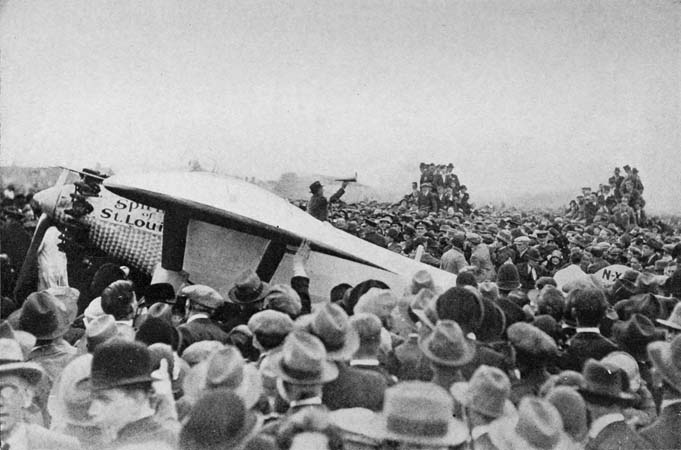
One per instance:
(364, 362)
(599, 424)
(306, 402)
(197, 316)
(669, 402)
(588, 330)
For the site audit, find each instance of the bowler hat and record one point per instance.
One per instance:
(462, 306)
(45, 316)
(330, 324)
(605, 383)
(508, 277)
(118, 363)
(487, 392)
(202, 295)
(303, 360)
(12, 362)
(666, 358)
(446, 345)
(248, 288)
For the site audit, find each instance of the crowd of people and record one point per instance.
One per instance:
(527, 350)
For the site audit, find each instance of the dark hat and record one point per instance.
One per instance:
(544, 281)
(315, 186)
(155, 330)
(605, 383)
(493, 322)
(159, 292)
(248, 288)
(508, 277)
(446, 345)
(463, 306)
(118, 362)
(45, 316)
(370, 222)
(638, 331)
(219, 419)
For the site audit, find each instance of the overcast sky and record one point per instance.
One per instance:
(520, 95)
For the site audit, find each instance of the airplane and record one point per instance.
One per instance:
(208, 228)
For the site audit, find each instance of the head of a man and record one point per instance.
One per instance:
(16, 394)
(112, 409)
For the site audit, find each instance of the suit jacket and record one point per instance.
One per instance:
(617, 436)
(665, 432)
(528, 279)
(354, 388)
(200, 330)
(582, 346)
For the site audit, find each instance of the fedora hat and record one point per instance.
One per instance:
(118, 363)
(380, 302)
(421, 280)
(530, 341)
(487, 392)
(12, 362)
(446, 345)
(303, 360)
(248, 288)
(605, 383)
(202, 295)
(414, 412)
(538, 425)
(72, 392)
(463, 306)
(45, 316)
(638, 331)
(674, 319)
(199, 351)
(666, 358)
(99, 331)
(331, 325)
(227, 369)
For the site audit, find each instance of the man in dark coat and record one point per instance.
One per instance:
(427, 201)
(530, 270)
(588, 307)
(202, 301)
(372, 235)
(318, 206)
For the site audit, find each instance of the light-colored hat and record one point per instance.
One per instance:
(303, 360)
(413, 412)
(12, 362)
(331, 325)
(202, 295)
(270, 322)
(282, 297)
(674, 319)
(199, 351)
(572, 410)
(379, 302)
(487, 392)
(421, 280)
(446, 345)
(225, 369)
(71, 401)
(538, 426)
(666, 357)
(627, 363)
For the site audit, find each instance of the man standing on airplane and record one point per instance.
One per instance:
(318, 206)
